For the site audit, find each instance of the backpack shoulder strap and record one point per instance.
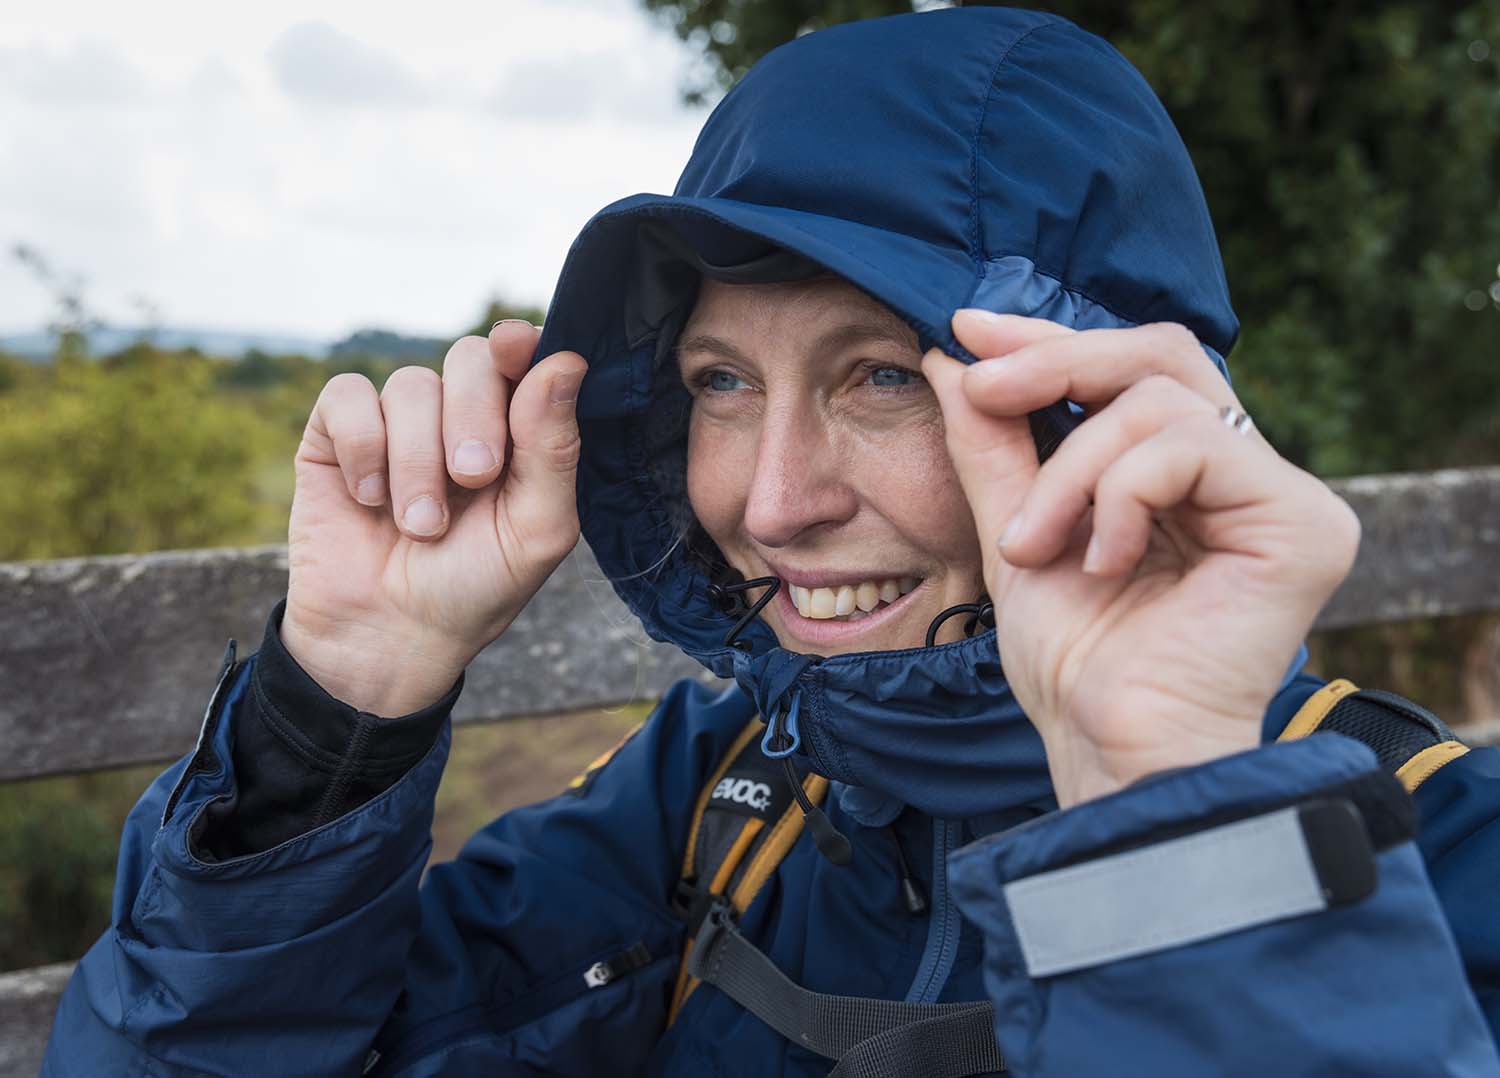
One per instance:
(745, 822)
(1408, 740)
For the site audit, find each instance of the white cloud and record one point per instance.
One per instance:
(87, 72)
(311, 168)
(314, 62)
(624, 85)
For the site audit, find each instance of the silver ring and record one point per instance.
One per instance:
(1237, 419)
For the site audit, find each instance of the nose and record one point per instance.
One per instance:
(801, 480)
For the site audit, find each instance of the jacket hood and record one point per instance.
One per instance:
(982, 157)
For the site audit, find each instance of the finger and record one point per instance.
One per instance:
(1093, 367)
(512, 343)
(1199, 463)
(539, 501)
(412, 401)
(988, 334)
(475, 396)
(346, 428)
(1064, 486)
(995, 458)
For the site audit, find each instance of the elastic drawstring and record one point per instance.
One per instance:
(726, 598)
(983, 611)
(911, 893)
(781, 739)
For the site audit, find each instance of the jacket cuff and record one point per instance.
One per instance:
(1190, 854)
(1159, 915)
(302, 758)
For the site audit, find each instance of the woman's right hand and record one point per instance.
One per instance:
(426, 516)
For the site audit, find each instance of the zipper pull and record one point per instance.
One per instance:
(627, 961)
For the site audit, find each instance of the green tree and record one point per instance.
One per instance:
(1351, 158)
(138, 452)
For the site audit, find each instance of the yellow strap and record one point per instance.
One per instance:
(721, 878)
(1421, 767)
(782, 837)
(777, 845)
(1312, 713)
(604, 757)
(740, 741)
(1411, 774)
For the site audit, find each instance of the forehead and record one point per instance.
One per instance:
(810, 309)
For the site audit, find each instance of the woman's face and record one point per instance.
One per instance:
(816, 454)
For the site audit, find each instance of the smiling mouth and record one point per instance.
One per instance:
(849, 602)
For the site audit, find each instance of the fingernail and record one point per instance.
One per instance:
(1012, 530)
(371, 490)
(987, 317)
(507, 321)
(473, 457)
(1093, 555)
(422, 516)
(565, 387)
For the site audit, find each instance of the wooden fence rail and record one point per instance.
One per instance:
(109, 661)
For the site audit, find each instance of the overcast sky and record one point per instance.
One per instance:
(315, 167)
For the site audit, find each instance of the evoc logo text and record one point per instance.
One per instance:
(747, 792)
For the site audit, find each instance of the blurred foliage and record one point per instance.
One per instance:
(57, 862)
(140, 451)
(1350, 153)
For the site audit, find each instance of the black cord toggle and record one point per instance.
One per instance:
(729, 599)
(983, 614)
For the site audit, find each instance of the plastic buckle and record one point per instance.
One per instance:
(719, 919)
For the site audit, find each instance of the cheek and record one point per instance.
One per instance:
(912, 483)
(718, 477)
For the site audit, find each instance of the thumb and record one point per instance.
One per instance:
(538, 493)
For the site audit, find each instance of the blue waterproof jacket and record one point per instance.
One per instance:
(960, 157)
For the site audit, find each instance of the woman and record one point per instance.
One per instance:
(1090, 853)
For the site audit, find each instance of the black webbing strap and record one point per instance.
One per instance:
(954, 1045)
(871, 1038)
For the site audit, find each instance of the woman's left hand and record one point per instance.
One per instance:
(1209, 555)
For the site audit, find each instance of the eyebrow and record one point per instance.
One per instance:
(844, 336)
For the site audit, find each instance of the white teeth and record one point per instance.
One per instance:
(803, 600)
(852, 601)
(821, 605)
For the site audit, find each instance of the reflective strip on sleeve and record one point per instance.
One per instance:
(1169, 894)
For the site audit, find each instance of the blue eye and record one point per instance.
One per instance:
(894, 376)
(722, 382)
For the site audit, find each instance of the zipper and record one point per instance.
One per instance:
(942, 930)
(629, 960)
(527, 1007)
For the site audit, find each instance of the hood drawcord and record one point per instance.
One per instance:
(728, 598)
(911, 892)
(983, 612)
(781, 739)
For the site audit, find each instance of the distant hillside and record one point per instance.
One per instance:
(388, 345)
(379, 343)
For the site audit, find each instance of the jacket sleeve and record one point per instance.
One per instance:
(1265, 912)
(268, 919)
